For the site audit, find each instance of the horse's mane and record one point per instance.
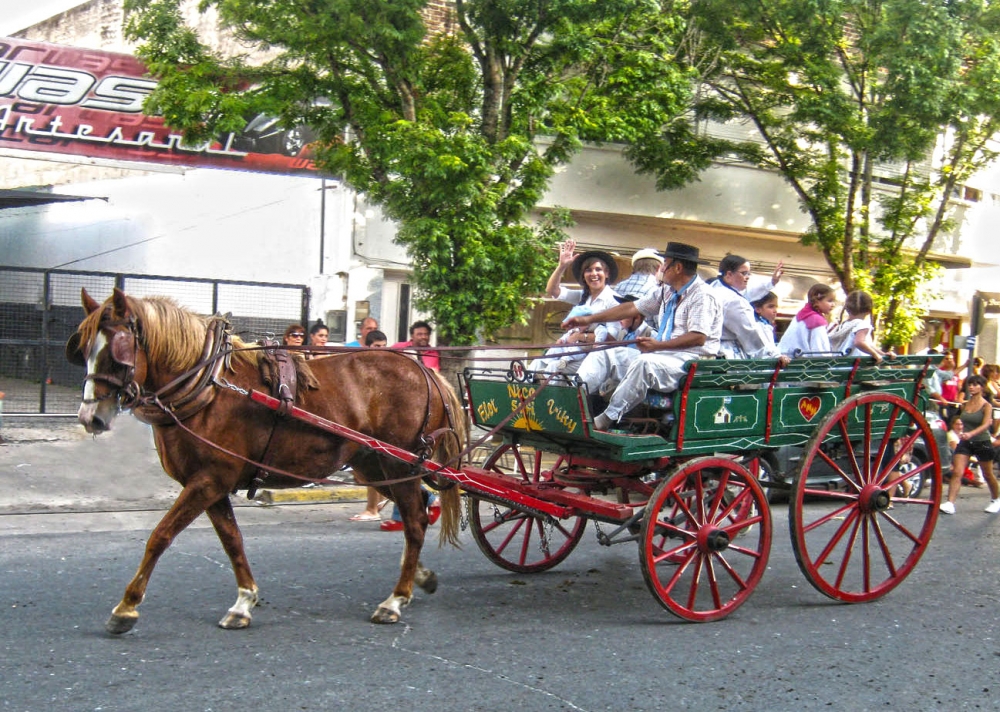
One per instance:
(173, 336)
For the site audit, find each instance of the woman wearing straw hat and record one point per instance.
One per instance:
(595, 271)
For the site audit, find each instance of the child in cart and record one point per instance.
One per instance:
(852, 336)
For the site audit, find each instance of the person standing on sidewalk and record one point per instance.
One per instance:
(977, 417)
(374, 503)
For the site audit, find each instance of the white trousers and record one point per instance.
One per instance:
(559, 359)
(635, 372)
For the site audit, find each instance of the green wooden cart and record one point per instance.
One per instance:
(685, 481)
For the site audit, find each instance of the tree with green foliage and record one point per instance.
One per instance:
(851, 99)
(454, 133)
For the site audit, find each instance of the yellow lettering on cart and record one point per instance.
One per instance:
(522, 392)
(487, 409)
(562, 416)
(519, 394)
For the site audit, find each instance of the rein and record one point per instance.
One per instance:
(185, 395)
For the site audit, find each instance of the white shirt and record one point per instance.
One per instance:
(842, 335)
(604, 300)
(740, 336)
(799, 337)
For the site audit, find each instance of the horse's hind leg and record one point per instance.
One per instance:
(426, 579)
(224, 520)
(189, 504)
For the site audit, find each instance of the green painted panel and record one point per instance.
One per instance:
(798, 410)
(721, 414)
(555, 410)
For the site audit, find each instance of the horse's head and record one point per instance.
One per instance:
(107, 344)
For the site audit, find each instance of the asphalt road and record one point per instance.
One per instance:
(585, 636)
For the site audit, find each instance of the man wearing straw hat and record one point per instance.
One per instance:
(690, 325)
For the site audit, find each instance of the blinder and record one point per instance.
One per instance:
(123, 348)
(74, 354)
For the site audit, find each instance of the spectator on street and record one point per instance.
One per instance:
(374, 339)
(294, 335)
(977, 417)
(420, 339)
(368, 324)
(318, 335)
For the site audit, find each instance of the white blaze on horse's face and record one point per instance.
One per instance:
(89, 394)
(96, 415)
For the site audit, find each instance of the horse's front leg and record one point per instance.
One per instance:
(224, 520)
(411, 508)
(189, 504)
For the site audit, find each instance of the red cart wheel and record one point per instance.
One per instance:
(706, 535)
(511, 538)
(857, 538)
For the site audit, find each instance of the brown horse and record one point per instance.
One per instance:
(141, 353)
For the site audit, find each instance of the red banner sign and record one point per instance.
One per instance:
(81, 102)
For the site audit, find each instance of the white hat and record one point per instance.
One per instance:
(647, 253)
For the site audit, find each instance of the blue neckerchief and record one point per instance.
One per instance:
(727, 285)
(667, 326)
(763, 321)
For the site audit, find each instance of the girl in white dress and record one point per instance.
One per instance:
(807, 332)
(852, 337)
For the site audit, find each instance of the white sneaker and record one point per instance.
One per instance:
(948, 507)
(993, 507)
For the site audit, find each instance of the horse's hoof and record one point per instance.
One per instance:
(118, 624)
(384, 615)
(429, 583)
(235, 621)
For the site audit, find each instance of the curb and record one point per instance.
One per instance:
(312, 495)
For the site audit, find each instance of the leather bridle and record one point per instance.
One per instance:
(123, 348)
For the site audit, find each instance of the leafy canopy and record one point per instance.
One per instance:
(454, 130)
(850, 99)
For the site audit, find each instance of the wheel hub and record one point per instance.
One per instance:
(874, 499)
(715, 540)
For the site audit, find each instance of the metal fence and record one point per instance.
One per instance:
(40, 309)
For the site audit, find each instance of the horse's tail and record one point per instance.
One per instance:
(448, 452)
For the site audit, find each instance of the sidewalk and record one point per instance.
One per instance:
(50, 464)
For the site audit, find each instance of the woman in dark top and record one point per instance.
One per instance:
(977, 417)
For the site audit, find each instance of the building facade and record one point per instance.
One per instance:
(318, 232)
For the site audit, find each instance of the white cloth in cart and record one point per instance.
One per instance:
(567, 359)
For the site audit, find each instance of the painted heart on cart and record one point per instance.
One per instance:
(809, 407)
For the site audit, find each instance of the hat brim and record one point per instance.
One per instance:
(604, 257)
(685, 258)
(626, 298)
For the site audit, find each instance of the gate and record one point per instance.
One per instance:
(40, 309)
